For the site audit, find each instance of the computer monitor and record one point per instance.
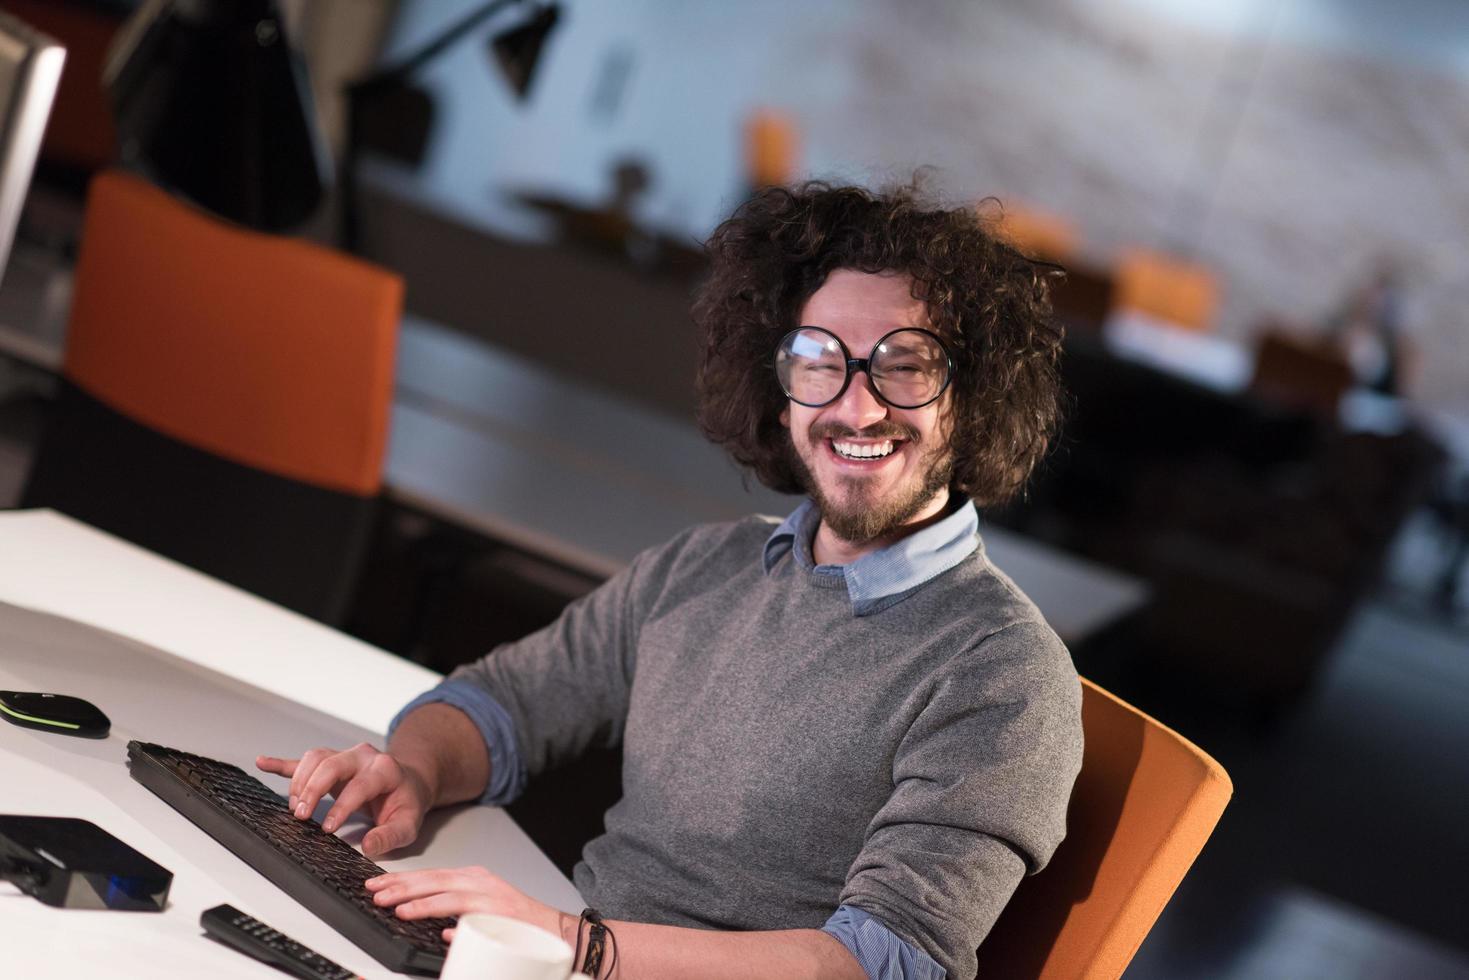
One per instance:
(30, 68)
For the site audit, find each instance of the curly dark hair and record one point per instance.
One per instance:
(989, 303)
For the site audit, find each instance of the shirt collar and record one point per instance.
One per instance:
(880, 578)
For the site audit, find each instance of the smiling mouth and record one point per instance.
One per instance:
(864, 451)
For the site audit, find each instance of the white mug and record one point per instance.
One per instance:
(495, 946)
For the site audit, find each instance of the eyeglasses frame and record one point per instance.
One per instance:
(855, 364)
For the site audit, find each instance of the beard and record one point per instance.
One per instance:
(860, 517)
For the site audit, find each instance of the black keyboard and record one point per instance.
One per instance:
(317, 869)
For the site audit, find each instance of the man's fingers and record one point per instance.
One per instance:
(359, 789)
(379, 780)
(403, 886)
(447, 904)
(455, 891)
(305, 769)
(399, 886)
(281, 767)
(400, 831)
(398, 821)
(332, 772)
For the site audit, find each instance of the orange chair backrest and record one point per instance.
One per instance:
(1145, 802)
(1184, 294)
(772, 148)
(1039, 234)
(268, 351)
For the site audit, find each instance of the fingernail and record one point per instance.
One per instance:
(292, 801)
(329, 825)
(301, 810)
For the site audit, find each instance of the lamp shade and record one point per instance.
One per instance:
(212, 102)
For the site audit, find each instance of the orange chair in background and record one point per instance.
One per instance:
(1039, 234)
(772, 148)
(226, 396)
(1145, 802)
(1183, 294)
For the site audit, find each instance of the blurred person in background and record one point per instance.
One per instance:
(1368, 331)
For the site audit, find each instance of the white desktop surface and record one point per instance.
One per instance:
(188, 659)
(55, 564)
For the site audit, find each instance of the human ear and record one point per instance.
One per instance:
(785, 416)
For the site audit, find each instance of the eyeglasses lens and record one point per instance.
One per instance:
(812, 366)
(909, 368)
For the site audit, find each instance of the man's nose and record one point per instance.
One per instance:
(859, 405)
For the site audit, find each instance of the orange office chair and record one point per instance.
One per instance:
(1144, 803)
(225, 396)
(1040, 234)
(772, 148)
(1183, 294)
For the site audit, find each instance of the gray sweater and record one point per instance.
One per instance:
(783, 756)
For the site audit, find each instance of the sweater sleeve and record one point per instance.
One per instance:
(981, 782)
(565, 688)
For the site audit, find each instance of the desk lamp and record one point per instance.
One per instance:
(213, 104)
(387, 113)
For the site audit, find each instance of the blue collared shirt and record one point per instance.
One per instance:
(874, 582)
(881, 578)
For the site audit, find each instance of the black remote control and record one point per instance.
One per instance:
(254, 938)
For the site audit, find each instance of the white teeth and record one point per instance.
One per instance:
(853, 450)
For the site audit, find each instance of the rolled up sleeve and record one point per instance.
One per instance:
(981, 782)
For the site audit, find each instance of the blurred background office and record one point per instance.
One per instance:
(1263, 216)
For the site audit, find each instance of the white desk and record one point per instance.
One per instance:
(199, 665)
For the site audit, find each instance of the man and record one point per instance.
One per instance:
(846, 738)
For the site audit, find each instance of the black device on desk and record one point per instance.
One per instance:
(75, 864)
(60, 714)
(317, 869)
(254, 938)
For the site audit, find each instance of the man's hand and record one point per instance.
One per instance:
(645, 951)
(395, 795)
(457, 891)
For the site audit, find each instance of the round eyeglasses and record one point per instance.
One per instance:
(909, 367)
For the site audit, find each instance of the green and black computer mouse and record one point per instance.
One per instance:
(59, 714)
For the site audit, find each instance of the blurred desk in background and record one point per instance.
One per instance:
(554, 466)
(587, 312)
(1206, 359)
(1258, 523)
